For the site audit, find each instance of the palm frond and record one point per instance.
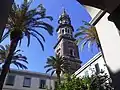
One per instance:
(47, 66)
(27, 34)
(86, 23)
(49, 70)
(49, 60)
(87, 35)
(23, 60)
(19, 56)
(7, 47)
(79, 34)
(50, 31)
(22, 17)
(45, 17)
(2, 47)
(17, 51)
(90, 43)
(18, 64)
(20, 41)
(53, 58)
(52, 72)
(38, 34)
(15, 58)
(38, 40)
(45, 25)
(5, 36)
(54, 64)
(83, 44)
(79, 40)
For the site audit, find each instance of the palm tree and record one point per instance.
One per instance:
(87, 35)
(55, 64)
(23, 22)
(17, 58)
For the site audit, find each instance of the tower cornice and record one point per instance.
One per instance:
(63, 25)
(62, 37)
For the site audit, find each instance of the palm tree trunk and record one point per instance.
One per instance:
(6, 66)
(58, 77)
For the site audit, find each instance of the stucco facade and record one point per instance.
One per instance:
(110, 42)
(35, 77)
(90, 68)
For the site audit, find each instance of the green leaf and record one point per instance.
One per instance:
(28, 37)
(47, 66)
(5, 36)
(83, 45)
(52, 72)
(38, 34)
(79, 40)
(38, 40)
(49, 70)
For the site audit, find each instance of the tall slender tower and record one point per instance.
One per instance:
(66, 46)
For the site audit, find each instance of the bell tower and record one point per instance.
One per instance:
(66, 46)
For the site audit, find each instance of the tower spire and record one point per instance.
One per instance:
(64, 12)
(64, 17)
(65, 29)
(66, 46)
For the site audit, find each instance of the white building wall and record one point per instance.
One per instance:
(110, 40)
(90, 66)
(92, 11)
(35, 81)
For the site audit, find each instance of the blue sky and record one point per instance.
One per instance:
(37, 57)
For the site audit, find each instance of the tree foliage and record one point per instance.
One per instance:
(17, 58)
(55, 64)
(95, 82)
(87, 35)
(26, 22)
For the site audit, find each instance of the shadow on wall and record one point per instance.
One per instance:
(115, 78)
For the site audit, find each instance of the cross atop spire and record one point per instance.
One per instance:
(64, 12)
(64, 18)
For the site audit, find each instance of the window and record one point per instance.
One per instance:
(27, 82)
(97, 68)
(62, 31)
(42, 84)
(68, 30)
(86, 73)
(71, 52)
(65, 29)
(10, 80)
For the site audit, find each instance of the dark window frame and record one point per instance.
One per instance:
(41, 84)
(71, 52)
(97, 67)
(63, 31)
(66, 30)
(7, 80)
(24, 82)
